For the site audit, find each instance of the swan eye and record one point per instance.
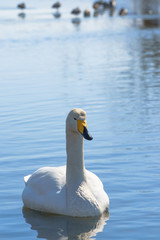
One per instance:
(75, 118)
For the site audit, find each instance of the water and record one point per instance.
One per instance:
(109, 66)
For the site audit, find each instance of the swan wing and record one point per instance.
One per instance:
(45, 190)
(47, 179)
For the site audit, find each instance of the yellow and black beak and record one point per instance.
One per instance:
(82, 128)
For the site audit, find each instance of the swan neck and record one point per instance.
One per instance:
(75, 158)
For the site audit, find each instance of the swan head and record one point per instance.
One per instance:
(76, 122)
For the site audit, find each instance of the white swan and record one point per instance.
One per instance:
(68, 190)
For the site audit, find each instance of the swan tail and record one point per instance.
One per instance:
(26, 178)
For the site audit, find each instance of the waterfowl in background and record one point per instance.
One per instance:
(123, 12)
(56, 5)
(21, 5)
(87, 13)
(76, 11)
(68, 190)
(112, 3)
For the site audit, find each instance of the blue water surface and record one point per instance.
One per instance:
(108, 65)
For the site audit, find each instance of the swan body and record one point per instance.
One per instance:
(68, 190)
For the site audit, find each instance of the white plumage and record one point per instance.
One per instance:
(68, 190)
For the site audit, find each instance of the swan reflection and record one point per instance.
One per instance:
(56, 227)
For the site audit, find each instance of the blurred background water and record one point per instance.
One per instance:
(108, 65)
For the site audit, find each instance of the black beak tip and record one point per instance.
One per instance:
(90, 138)
(86, 134)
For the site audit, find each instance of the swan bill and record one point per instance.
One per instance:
(86, 134)
(82, 128)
